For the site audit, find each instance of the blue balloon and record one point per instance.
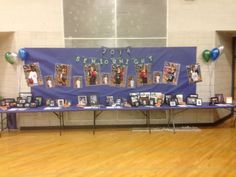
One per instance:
(215, 53)
(23, 54)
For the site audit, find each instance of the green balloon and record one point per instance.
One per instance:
(206, 54)
(9, 58)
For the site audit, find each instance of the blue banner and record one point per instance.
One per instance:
(116, 72)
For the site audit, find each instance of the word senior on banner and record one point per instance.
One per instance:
(109, 57)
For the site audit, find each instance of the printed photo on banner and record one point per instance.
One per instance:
(77, 81)
(131, 82)
(118, 76)
(194, 73)
(92, 74)
(157, 77)
(104, 78)
(171, 73)
(62, 75)
(49, 81)
(33, 74)
(143, 74)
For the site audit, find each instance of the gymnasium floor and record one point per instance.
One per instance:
(119, 152)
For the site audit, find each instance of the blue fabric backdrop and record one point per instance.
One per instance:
(48, 57)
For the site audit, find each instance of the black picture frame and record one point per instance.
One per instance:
(214, 100)
(172, 103)
(168, 98)
(39, 100)
(220, 97)
(191, 100)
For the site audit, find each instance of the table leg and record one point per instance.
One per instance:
(94, 121)
(173, 119)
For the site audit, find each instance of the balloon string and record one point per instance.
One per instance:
(211, 67)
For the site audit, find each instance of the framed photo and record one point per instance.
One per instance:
(27, 105)
(39, 100)
(24, 95)
(13, 104)
(29, 99)
(228, 100)
(92, 74)
(180, 98)
(199, 102)
(33, 105)
(48, 101)
(33, 74)
(194, 73)
(60, 102)
(82, 100)
(172, 103)
(143, 74)
(19, 105)
(78, 81)
(62, 75)
(22, 101)
(52, 103)
(118, 75)
(157, 77)
(134, 97)
(109, 100)
(220, 98)
(168, 98)
(191, 100)
(2, 103)
(93, 100)
(171, 73)
(214, 100)
(49, 81)
(144, 98)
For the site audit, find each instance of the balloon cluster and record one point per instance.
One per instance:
(12, 57)
(213, 54)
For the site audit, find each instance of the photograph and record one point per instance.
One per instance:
(29, 99)
(168, 98)
(49, 81)
(77, 81)
(191, 101)
(52, 103)
(118, 75)
(157, 77)
(199, 102)
(92, 74)
(27, 105)
(33, 105)
(93, 100)
(62, 75)
(131, 82)
(82, 100)
(194, 73)
(134, 97)
(172, 103)
(109, 100)
(180, 99)
(144, 98)
(214, 100)
(39, 100)
(24, 95)
(48, 102)
(104, 78)
(23, 101)
(33, 74)
(143, 74)
(60, 102)
(228, 100)
(171, 73)
(220, 97)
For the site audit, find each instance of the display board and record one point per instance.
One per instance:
(69, 72)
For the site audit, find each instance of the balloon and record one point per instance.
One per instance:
(23, 54)
(221, 48)
(215, 53)
(206, 54)
(10, 57)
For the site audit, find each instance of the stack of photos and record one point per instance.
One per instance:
(110, 101)
(144, 98)
(118, 75)
(157, 77)
(33, 74)
(62, 75)
(194, 73)
(82, 101)
(77, 81)
(134, 98)
(49, 81)
(104, 79)
(143, 74)
(92, 74)
(131, 82)
(171, 73)
(93, 100)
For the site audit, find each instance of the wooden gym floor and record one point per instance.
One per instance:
(119, 152)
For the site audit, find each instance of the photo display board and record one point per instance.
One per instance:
(70, 72)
